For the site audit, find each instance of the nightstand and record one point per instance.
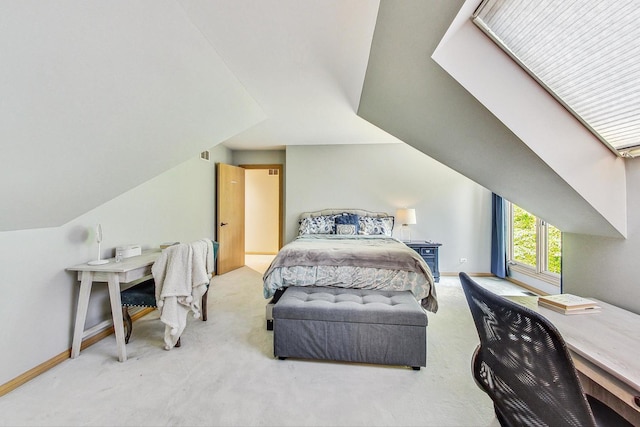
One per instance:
(429, 252)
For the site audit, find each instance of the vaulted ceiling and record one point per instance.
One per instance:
(439, 84)
(98, 97)
(304, 63)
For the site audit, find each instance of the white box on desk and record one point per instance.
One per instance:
(128, 251)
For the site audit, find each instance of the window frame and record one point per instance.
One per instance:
(598, 86)
(540, 270)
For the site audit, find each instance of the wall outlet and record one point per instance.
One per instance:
(463, 260)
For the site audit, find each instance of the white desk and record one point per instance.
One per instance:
(605, 347)
(113, 273)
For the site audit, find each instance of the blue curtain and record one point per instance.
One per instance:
(498, 237)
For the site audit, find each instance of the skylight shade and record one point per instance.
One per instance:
(586, 53)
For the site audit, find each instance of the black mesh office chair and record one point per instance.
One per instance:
(523, 364)
(144, 295)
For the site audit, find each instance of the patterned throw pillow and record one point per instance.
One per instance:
(382, 226)
(317, 225)
(347, 224)
(349, 229)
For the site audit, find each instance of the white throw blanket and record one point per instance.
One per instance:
(182, 273)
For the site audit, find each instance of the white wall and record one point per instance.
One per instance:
(258, 157)
(450, 208)
(607, 268)
(37, 308)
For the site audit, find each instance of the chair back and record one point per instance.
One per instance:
(216, 246)
(523, 363)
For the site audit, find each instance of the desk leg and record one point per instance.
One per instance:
(116, 314)
(81, 312)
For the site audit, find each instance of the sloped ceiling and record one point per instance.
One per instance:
(540, 122)
(98, 97)
(304, 62)
(411, 96)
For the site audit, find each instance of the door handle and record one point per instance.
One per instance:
(222, 224)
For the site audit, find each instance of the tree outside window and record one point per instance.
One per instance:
(554, 245)
(524, 237)
(535, 247)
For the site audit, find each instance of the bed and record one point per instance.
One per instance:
(349, 248)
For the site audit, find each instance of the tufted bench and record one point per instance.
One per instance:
(354, 325)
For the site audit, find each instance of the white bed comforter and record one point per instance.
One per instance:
(365, 262)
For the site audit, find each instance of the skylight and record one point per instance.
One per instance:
(584, 52)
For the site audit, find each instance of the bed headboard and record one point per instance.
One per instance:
(346, 221)
(359, 212)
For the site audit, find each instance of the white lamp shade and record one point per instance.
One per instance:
(406, 216)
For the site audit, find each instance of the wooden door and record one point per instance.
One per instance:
(230, 217)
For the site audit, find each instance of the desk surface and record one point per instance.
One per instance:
(610, 339)
(127, 264)
(114, 273)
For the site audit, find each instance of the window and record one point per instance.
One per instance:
(534, 247)
(584, 52)
(554, 250)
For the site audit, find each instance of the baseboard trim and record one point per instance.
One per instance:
(469, 274)
(527, 287)
(56, 360)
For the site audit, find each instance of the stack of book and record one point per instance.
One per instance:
(568, 304)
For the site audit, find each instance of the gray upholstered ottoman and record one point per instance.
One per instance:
(354, 325)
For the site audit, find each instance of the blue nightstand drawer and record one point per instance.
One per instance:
(429, 253)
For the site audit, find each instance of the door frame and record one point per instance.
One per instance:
(280, 195)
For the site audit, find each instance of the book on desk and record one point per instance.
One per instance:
(568, 304)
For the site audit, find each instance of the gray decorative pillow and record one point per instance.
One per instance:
(317, 225)
(372, 226)
(346, 229)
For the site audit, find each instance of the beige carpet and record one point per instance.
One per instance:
(225, 375)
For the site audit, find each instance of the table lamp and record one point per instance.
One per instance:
(406, 217)
(98, 261)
